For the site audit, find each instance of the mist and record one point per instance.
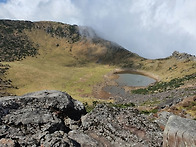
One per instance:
(150, 28)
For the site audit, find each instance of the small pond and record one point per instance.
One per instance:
(127, 79)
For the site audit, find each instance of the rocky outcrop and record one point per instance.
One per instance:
(110, 126)
(53, 118)
(179, 132)
(183, 56)
(38, 119)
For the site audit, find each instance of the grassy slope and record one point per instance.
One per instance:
(169, 68)
(55, 68)
(72, 67)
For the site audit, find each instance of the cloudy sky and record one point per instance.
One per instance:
(150, 28)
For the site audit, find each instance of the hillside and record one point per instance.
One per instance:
(52, 55)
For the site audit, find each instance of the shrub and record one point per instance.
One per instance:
(164, 86)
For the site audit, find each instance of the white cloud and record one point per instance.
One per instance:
(55, 10)
(150, 28)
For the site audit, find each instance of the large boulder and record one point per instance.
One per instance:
(38, 118)
(179, 132)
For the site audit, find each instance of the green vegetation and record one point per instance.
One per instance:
(14, 44)
(164, 86)
(61, 30)
(91, 107)
(88, 107)
(189, 107)
(149, 111)
(151, 102)
(126, 105)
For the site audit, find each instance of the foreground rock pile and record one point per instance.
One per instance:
(110, 126)
(53, 118)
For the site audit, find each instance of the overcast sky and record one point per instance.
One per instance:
(150, 28)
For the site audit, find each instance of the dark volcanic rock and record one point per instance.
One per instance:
(110, 126)
(53, 118)
(183, 56)
(37, 118)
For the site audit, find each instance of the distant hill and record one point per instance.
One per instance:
(16, 43)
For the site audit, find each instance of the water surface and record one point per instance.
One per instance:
(134, 80)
